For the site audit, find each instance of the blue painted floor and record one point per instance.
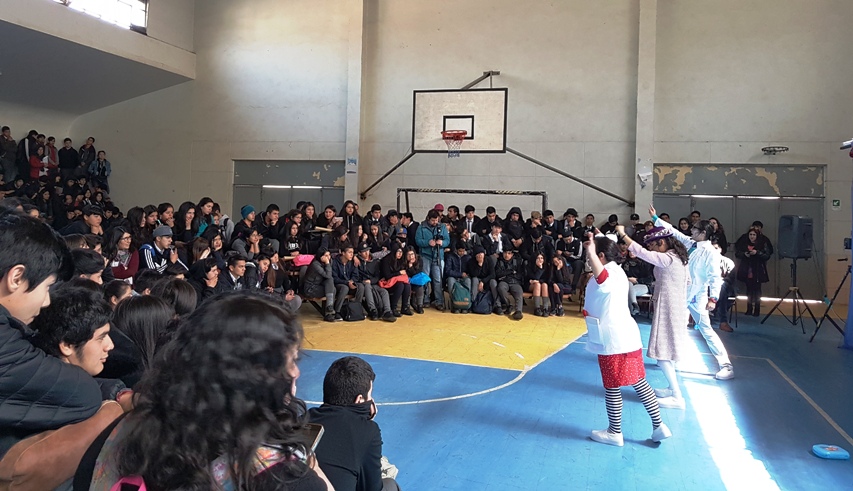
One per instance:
(753, 432)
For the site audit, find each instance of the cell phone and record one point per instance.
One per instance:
(311, 435)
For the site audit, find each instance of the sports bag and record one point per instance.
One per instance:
(352, 311)
(460, 296)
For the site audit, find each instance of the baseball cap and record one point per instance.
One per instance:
(634, 216)
(93, 210)
(163, 231)
(439, 207)
(364, 246)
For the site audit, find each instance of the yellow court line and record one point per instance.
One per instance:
(518, 377)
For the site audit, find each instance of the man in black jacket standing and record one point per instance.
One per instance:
(350, 451)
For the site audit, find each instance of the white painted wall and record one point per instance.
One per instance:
(62, 22)
(270, 84)
(171, 21)
(570, 67)
(272, 81)
(22, 119)
(734, 76)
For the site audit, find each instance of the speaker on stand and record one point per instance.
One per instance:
(794, 242)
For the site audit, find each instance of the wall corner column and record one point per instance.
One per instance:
(355, 8)
(645, 144)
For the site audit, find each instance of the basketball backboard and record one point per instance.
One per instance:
(480, 112)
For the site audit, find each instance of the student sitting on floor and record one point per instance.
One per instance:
(350, 451)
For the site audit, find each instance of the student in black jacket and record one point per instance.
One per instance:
(484, 226)
(350, 451)
(559, 283)
(393, 266)
(535, 243)
(376, 297)
(481, 270)
(509, 275)
(319, 282)
(204, 277)
(496, 242)
(536, 279)
(37, 392)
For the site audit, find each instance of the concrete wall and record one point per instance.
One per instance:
(272, 79)
(171, 21)
(56, 20)
(22, 119)
(733, 77)
(570, 67)
(270, 85)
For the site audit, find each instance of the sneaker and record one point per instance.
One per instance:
(607, 438)
(374, 315)
(439, 307)
(397, 313)
(338, 318)
(517, 315)
(407, 311)
(726, 372)
(389, 317)
(507, 310)
(329, 317)
(498, 310)
(538, 312)
(671, 402)
(661, 393)
(560, 312)
(725, 327)
(661, 433)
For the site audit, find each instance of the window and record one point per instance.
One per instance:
(130, 14)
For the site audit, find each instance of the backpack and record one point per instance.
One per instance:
(482, 303)
(460, 296)
(352, 311)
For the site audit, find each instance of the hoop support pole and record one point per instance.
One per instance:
(567, 175)
(481, 78)
(363, 194)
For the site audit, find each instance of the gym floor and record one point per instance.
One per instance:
(488, 403)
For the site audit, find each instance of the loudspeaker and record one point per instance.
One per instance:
(795, 237)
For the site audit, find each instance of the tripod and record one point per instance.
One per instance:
(799, 302)
(826, 315)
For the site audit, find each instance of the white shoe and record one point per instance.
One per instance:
(661, 433)
(604, 436)
(661, 393)
(671, 402)
(726, 372)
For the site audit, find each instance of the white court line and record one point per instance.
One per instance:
(472, 394)
(808, 399)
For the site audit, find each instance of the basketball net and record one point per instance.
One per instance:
(453, 139)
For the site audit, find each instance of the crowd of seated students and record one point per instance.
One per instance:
(142, 384)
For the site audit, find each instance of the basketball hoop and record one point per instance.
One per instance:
(454, 139)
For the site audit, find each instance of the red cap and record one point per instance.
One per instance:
(439, 207)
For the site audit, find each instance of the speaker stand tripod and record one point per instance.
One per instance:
(826, 315)
(799, 305)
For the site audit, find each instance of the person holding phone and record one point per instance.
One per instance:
(350, 450)
(615, 338)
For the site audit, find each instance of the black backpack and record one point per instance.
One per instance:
(352, 311)
(482, 303)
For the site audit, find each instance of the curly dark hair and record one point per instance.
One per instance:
(221, 387)
(673, 244)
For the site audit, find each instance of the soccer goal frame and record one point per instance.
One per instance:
(403, 193)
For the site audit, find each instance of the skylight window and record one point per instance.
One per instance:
(130, 14)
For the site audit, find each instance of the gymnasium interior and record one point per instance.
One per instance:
(736, 109)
